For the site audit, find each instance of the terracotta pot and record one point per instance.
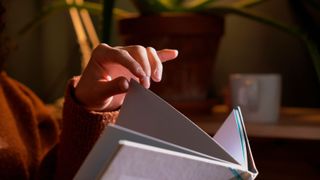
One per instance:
(187, 79)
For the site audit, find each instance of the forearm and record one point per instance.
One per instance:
(81, 129)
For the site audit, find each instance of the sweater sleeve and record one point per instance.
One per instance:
(80, 130)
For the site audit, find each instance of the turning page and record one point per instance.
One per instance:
(152, 140)
(145, 112)
(233, 138)
(230, 136)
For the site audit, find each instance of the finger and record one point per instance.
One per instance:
(114, 87)
(102, 93)
(139, 53)
(104, 54)
(167, 54)
(155, 63)
(107, 91)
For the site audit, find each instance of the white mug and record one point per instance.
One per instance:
(258, 96)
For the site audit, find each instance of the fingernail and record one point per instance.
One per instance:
(157, 75)
(146, 82)
(176, 51)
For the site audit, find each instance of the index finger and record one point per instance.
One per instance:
(167, 54)
(121, 57)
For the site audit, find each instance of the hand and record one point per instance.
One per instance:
(105, 80)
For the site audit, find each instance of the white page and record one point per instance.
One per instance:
(104, 149)
(230, 136)
(137, 161)
(145, 112)
(251, 165)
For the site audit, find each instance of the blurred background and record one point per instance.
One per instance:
(49, 55)
(46, 57)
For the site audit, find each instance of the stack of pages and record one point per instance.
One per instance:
(153, 141)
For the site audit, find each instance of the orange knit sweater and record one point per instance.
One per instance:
(32, 143)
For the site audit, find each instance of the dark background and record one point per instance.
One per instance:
(48, 56)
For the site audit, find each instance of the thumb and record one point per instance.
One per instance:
(114, 87)
(167, 54)
(103, 97)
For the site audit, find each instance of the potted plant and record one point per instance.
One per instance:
(186, 80)
(177, 10)
(193, 27)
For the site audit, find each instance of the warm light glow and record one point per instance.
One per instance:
(89, 27)
(82, 23)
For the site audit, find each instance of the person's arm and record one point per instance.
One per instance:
(81, 128)
(91, 100)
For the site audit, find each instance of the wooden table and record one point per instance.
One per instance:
(287, 149)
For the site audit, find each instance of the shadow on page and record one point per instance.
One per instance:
(152, 140)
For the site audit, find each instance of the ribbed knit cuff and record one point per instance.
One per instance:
(71, 103)
(81, 128)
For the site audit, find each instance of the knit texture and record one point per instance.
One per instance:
(81, 129)
(31, 146)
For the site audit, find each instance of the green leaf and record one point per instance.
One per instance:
(120, 13)
(314, 54)
(225, 10)
(146, 7)
(160, 6)
(197, 5)
(294, 31)
(168, 3)
(245, 3)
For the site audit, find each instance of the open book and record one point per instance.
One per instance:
(153, 141)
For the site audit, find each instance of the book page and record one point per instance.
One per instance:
(251, 164)
(230, 136)
(145, 112)
(138, 161)
(107, 145)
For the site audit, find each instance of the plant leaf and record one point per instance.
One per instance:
(314, 54)
(294, 31)
(197, 5)
(147, 7)
(120, 13)
(245, 3)
(225, 10)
